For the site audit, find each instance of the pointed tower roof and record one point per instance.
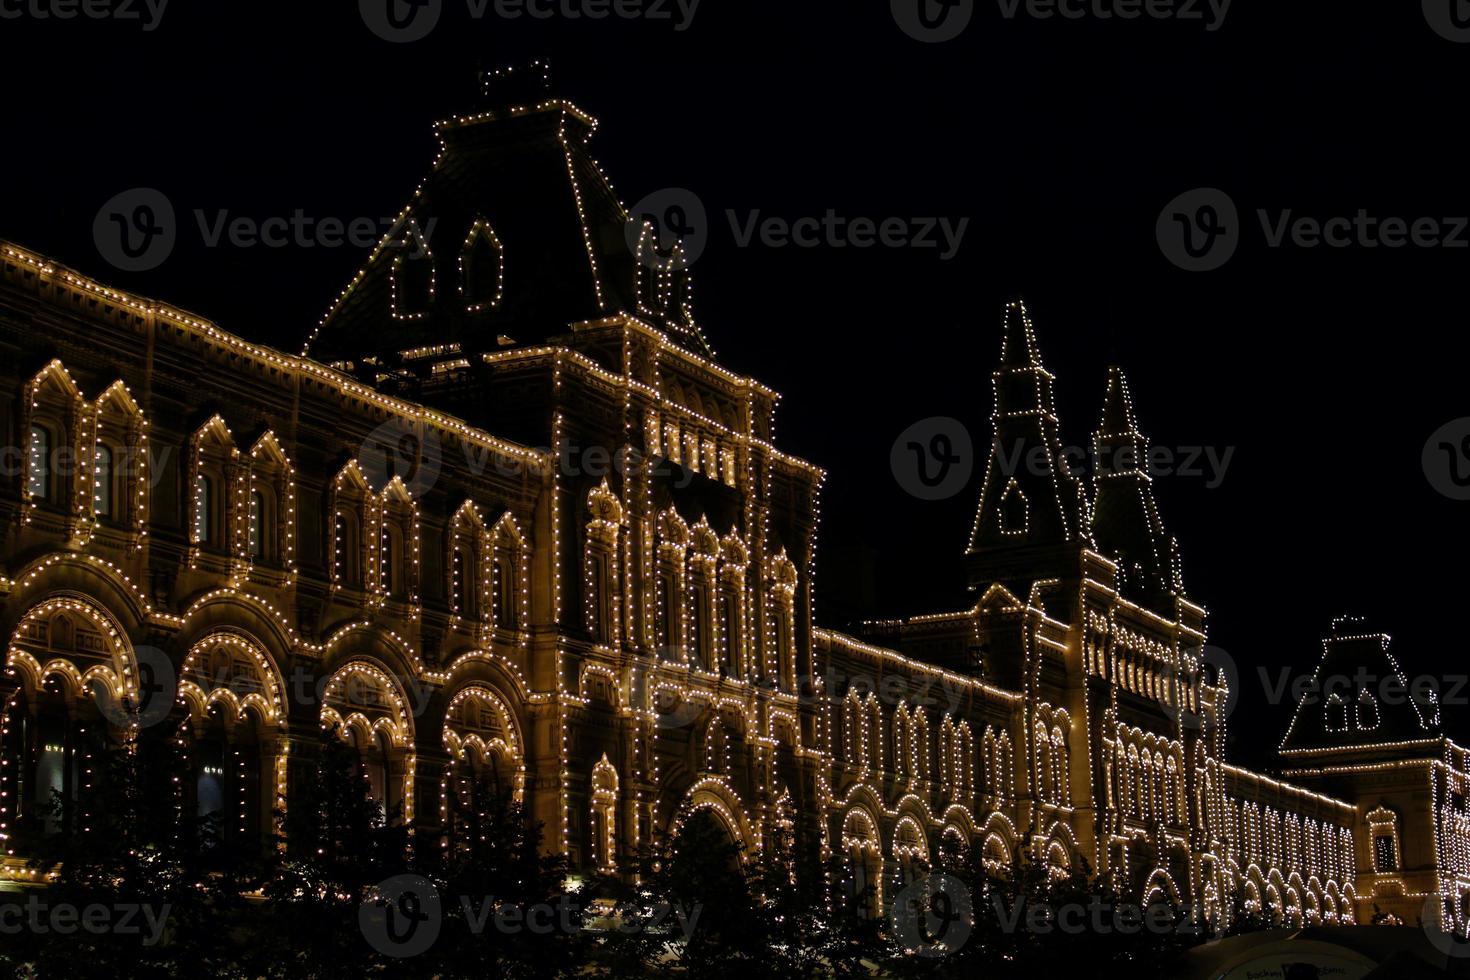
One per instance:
(1029, 500)
(515, 232)
(1359, 698)
(1125, 517)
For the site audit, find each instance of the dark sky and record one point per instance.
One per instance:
(1326, 369)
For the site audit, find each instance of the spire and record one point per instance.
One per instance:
(1028, 500)
(1125, 517)
(1018, 348)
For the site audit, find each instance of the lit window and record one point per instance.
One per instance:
(1384, 856)
(257, 525)
(39, 469)
(203, 502)
(102, 482)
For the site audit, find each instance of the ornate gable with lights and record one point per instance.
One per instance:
(1359, 697)
(514, 235)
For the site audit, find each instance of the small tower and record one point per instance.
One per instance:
(1125, 517)
(1033, 512)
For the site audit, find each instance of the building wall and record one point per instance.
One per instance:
(612, 612)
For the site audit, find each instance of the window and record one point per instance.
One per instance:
(203, 509)
(1336, 714)
(349, 556)
(480, 268)
(1013, 510)
(1384, 856)
(102, 496)
(257, 525)
(1367, 710)
(39, 468)
(393, 560)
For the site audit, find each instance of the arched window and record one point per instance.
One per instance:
(604, 815)
(1013, 510)
(481, 268)
(1368, 716)
(413, 277)
(1335, 714)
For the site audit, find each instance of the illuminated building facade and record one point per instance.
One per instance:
(506, 513)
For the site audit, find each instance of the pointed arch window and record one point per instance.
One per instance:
(412, 276)
(1335, 714)
(1367, 711)
(481, 269)
(1014, 510)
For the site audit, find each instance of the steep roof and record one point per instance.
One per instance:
(1359, 697)
(515, 233)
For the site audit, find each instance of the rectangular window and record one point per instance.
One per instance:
(203, 500)
(102, 482)
(1384, 857)
(39, 464)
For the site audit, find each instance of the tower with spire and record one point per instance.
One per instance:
(1032, 519)
(1125, 517)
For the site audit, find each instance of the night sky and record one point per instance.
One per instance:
(1326, 369)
